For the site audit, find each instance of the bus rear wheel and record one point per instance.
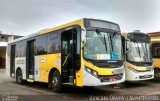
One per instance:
(56, 82)
(19, 79)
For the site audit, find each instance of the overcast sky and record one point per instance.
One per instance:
(24, 17)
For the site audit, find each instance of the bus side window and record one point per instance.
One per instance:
(156, 50)
(41, 45)
(20, 49)
(53, 43)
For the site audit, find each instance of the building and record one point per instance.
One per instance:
(155, 36)
(4, 39)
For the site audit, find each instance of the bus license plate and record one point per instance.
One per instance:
(113, 78)
(147, 76)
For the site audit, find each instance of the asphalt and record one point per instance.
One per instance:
(36, 91)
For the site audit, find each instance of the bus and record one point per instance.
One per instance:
(155, 47)
(85, 52)
(138, 59)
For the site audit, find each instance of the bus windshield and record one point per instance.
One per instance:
(138, 51)
(101, 45)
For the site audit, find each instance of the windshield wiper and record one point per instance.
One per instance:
(105, 43)
(111, 39)
(101, 38)
(138, 49)
(111, 42)
(146, 53)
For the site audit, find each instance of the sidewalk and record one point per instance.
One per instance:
(2, 70)
(4, 77)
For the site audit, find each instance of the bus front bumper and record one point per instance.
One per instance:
(138, 76)
(90, 80)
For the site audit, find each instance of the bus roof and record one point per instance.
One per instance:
(134, 32)
(154, 33)
(44, 31)
(155, 36)
(76, 22)
(124, 34)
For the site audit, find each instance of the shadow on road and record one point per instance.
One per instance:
(137, 84)
(85, 92)
(81, 91)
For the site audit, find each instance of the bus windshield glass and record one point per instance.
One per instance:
(102, 45)
(138, 51)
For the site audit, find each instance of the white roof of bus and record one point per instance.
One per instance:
(23, 38)
(46, 30)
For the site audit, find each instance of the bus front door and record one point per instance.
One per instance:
(69, 55)
(30, 60)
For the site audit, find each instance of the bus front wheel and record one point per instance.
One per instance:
(56, 81)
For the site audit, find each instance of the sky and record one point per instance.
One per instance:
(23, 17)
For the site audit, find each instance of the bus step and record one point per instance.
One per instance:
(68, 83)
(30, 80)
(71, 79)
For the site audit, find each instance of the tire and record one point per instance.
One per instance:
(56, 82)
(19, 77)
(157, 74)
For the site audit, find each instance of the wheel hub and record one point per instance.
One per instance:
(55, 81)
(19, 78)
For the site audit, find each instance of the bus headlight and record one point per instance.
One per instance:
(132, 69)
(92, 72)
(149, 68)
(118, 71)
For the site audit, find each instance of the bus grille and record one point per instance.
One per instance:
(145, 76)
(111, 78)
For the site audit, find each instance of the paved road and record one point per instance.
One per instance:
(39, 91)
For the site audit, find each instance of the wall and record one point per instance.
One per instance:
(2, 57)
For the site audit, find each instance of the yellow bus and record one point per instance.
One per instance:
(85, 52)
(138, 59)
(155, 39)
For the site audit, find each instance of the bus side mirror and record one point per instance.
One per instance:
(126, 52)
(83, 37)
(127, 39)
